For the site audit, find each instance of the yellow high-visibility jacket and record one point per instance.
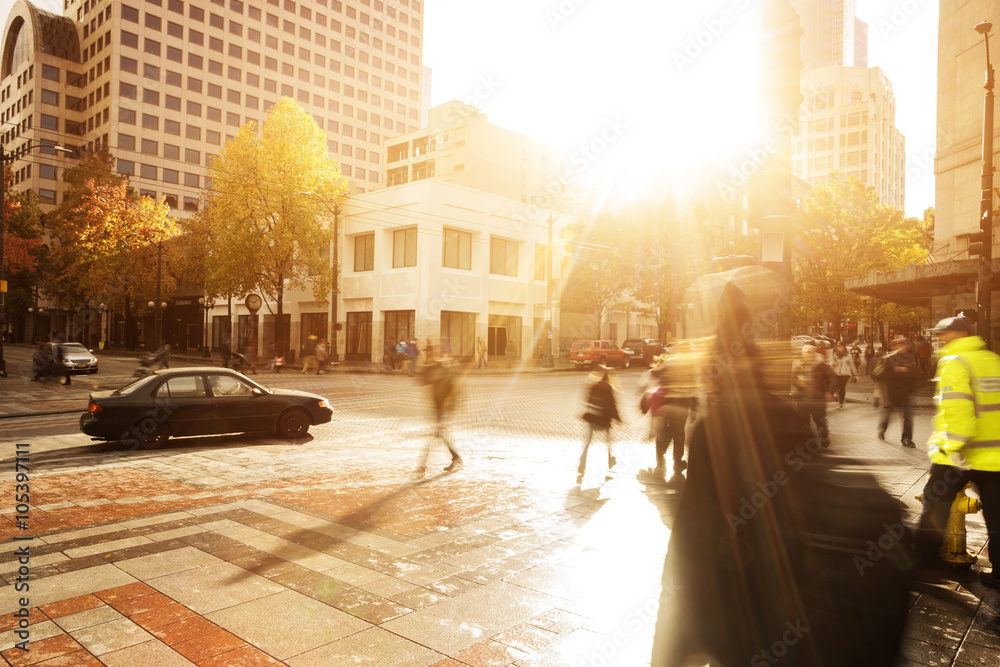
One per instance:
(967, 423)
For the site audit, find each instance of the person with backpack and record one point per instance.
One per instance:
(964, 445)
(898, 374)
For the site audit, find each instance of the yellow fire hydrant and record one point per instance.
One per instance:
(954, 550)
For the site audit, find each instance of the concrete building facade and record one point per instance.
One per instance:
(831, 34)
(848, 125)
(459, 145)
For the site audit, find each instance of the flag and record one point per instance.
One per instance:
(930, 258)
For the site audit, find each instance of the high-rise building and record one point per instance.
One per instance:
(847, 123)
(831, 34)
(164, 83)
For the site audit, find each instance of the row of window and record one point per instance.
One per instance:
(456, 252)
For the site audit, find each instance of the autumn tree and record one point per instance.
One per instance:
(262, 221)
(843, 230)
(22, 249)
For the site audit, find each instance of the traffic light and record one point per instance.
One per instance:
(977, 246)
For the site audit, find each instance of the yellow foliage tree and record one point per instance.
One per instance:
(261, 222)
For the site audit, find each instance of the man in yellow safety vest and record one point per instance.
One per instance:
(965, 444)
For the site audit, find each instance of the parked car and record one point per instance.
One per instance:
(199, 401)
(800, 340)
(644, 348)
(590, 353)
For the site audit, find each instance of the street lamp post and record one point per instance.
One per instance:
(207, 304)
(983, 292)
(335, 292)
(546, 360)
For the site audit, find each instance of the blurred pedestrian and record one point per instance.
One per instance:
(601, 411)
(441, 380)
(761, 565)
(923, 351)
(412, 353)
(309, 354)
(276, 361)
(964, 445)
(445, 347)
(480, 353)
(322, 351)
(428, 350)
(397, 364)
(511, 353)
(845, 371)
(898, 372)
(227, 349)
(813, 385)
(668, 409)
(389, 355)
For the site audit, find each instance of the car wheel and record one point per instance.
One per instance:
(149, 435)
(625, 362)
(292, 424)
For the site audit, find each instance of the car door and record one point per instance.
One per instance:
(236, 406)
(182, 401)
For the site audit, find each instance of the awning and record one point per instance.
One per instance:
(914, 285)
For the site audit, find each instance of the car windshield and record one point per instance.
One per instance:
(74, 347)
(634, 342)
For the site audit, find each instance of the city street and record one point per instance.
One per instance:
(183, 555)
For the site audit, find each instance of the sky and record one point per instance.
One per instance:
(628, 86)
(655, 83)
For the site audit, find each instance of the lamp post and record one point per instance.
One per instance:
(158, 306)
(985, 246)
(100, 326)
(546, 360)
(335, 292)
(207, 304)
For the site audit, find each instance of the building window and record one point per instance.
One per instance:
(404, 248)
(171, 176)
(49, 122)
(457, 252)
(364, 252)
(503, 257)
(191, 180)
(127, 65)
(126, 167)
(147, 171)
(192, 156)
(126, 142)
(49, 196)
(126, 116)
(150, 147)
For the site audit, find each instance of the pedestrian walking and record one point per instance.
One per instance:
(964, 445)
(668, 409)
(322, 351)
(511, 353)
(441, 380)
(389, 355)
(845, 370)
(397, 363)
(869, 355)
(428, 350)
(813, 385)
(898, 373)
(412, 353)
(923, 351)
(481, 353)
(227, 350)
(275, 359)
(309, 361)
(600, 413)
(763, 546)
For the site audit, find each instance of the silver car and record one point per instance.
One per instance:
(78, 359)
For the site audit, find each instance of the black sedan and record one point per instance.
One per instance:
(199, 401)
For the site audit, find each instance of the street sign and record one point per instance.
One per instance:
(548, 315)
